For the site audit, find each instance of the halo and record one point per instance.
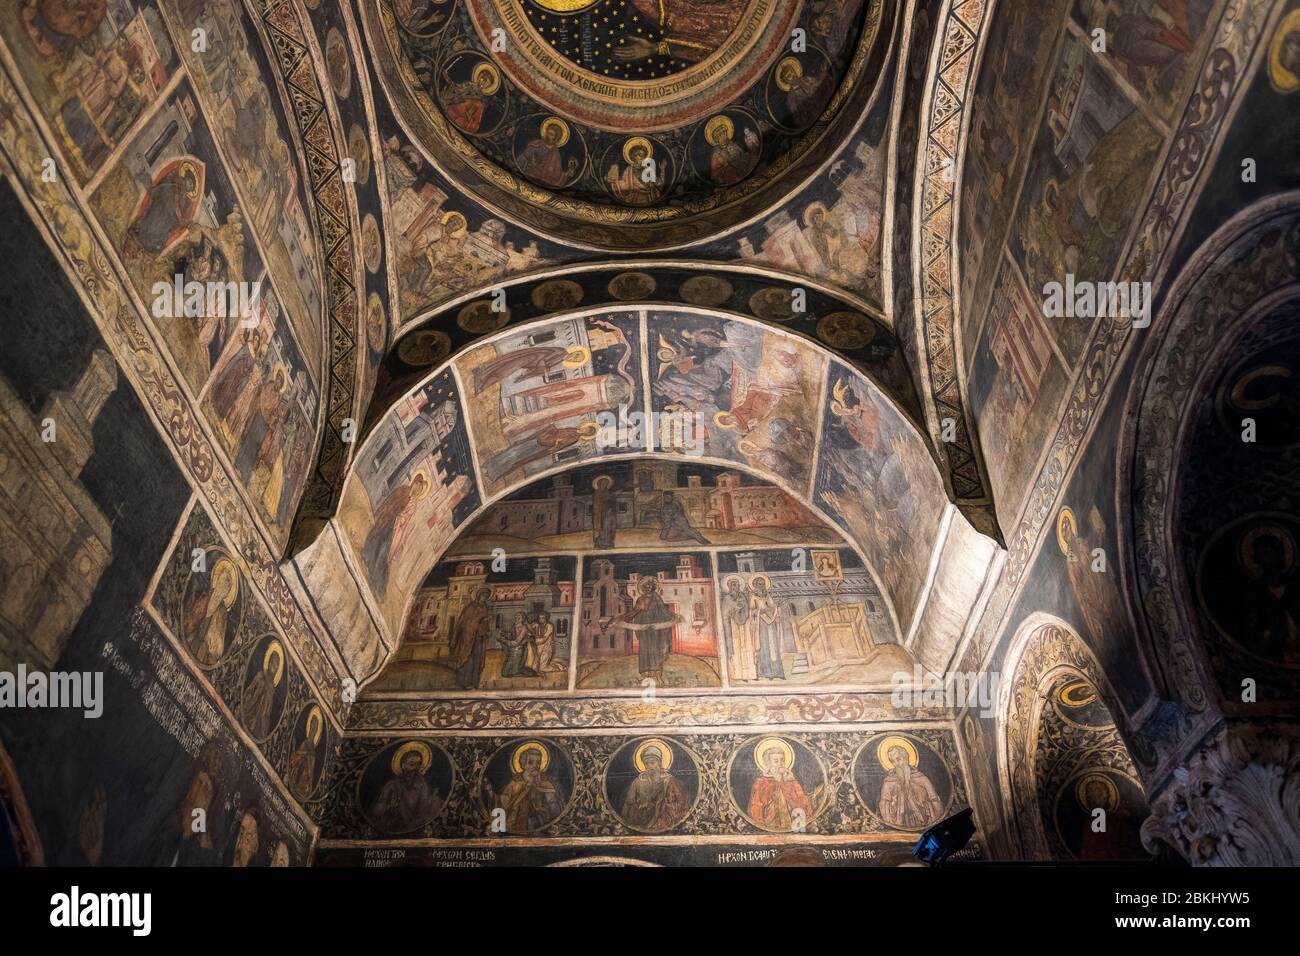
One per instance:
(193, 171)
(1283, 80)
(461, 224)
(412, 746)
(578, 356)
(223, 566)
(721, 121)
(888, 744)
(788, 61)
(1065, 518)
(735, 577)
(726, 420)
(1077, 693)
(276, 651)
(808, 214)
(1238, 392)
(275, 373)
(602, 482)
(588, 431)
(663, 748)
(773, 743)
(517, 758)
(427, 485)
(564, 6)
(1112, 791)
(1247, 558)
(559, 124)
(314, 717)
(634, 142)
(487, 69)
(760, 577)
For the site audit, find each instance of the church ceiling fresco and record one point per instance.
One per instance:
(1053, 194)
(620, 123)
(559, 393)
(845, 325)
(596, 558)
(709, 786)
(83, 533)
(1064, 763)
(1224, 524)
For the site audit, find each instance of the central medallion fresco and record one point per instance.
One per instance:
(638, 40)
(635, 66)
(629, 123)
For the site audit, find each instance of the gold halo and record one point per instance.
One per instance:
(1283, 80)
(516, 758)
(412, 746)
(455, 223)
(888, 744)
(634, 142)
(773, 743)
(427, 484)
(788, 61)
(1112, 791)
(578, 356)
(225, 565)
(281, 368)
(726, 420)
(194, 172)
(760, 577)
(276, 651)
(314, 717)
(564, 6)
(721, 121)
(602, 482)
(558, 123)
(726, 585)
(1077, 693)
(747, 448)
(588, 431)
(1247, 559)
(487, 69)
(812, 208)
(1065, 518)
(637, 757)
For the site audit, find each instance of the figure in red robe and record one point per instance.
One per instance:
(778, 793)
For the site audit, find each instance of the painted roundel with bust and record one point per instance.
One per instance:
(630, 123)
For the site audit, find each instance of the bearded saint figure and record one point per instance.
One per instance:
(531, 800)
(652, 623)
(655, 801)
(907, 797)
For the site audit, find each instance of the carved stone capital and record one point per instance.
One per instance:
(1235, 801)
